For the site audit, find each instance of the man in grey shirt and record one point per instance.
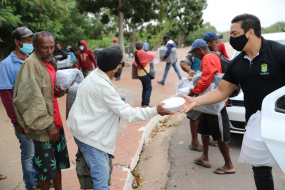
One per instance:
(116, 45)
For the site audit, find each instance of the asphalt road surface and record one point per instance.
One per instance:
(185, 174)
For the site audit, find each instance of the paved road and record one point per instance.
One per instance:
(184, 174)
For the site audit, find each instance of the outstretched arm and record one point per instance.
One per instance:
(219, 94)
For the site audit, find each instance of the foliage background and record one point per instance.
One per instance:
(96, 21)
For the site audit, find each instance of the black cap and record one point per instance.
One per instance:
(108, 59)
(22, 32)
(165, 37)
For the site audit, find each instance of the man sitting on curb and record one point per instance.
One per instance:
(209, 124)
(94, 116)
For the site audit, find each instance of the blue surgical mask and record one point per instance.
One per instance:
(81, 48)
(27, 48)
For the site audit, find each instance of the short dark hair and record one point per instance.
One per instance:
(59, 44)
(249, 21)
(196, 49)
(38, 34)
(139, 45)
(166, 37)
(80, 42)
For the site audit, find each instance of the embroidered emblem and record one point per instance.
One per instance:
(264, 68)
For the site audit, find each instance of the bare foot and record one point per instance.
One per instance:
(196, 143)
(213, 143)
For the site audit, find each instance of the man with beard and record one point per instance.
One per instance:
(37, 110)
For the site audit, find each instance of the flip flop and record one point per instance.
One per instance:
(224, 172)
(213, 143)
(196, 149)
(2, 177)
(200, 162)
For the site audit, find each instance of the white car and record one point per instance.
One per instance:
(235, 107)
(272, 125)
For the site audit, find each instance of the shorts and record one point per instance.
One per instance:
(86, 72)
(51, 156)
(194, 119)
(210, 125)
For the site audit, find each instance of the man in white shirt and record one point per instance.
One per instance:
(94, 116)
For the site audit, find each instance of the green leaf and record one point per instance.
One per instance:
(53, 164)
(38, 161)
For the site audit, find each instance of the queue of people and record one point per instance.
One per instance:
(27, 78)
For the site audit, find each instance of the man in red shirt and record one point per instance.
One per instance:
(210, 124)
(222, 48)
(85, 58)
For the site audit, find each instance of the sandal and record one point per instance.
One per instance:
(198, 149)
(2, 176)
(200, 162)
(223, 171)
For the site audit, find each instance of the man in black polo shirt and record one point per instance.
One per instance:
(260, 70)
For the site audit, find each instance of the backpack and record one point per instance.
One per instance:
(83, 171)
(224, 62)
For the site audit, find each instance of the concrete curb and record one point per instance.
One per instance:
(145, 137)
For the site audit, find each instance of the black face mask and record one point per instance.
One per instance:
(118, 74)
(238, 43)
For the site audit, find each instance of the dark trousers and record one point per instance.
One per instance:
(263, 178)
(147, 88)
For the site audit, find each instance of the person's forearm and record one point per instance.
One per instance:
(185, 67)
(212, 97)
(7, 100)
(216, 95)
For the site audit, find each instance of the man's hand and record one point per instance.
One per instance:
(58, 92)
(161, 111)
(163, 59)
(54, 135)
(192, 73)
(191, 93)
(189, 104)
(19, 129)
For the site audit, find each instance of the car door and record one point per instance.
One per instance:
(273, 125)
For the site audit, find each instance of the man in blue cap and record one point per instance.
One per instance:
(191, 65)
(213, 40)
(209, 124)
(9, 67)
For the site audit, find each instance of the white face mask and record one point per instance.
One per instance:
(81, 48)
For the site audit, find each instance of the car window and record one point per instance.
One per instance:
(281, 41)
(280, 105)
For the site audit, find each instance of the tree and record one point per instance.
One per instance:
(277, 27)
(199, 33)
(37, 15)
(137, 12)
(185, 17)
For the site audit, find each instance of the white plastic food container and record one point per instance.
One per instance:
(173, 104)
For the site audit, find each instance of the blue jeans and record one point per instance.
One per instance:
(147, 88)
(98, 162)
(27, 159)
(167, 68)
